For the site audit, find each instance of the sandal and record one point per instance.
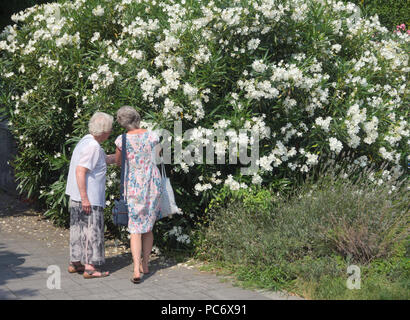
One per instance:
(136, 280)
(73, 268)
(89, 274)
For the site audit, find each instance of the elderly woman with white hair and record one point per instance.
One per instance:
(86, 188)
(143, 186)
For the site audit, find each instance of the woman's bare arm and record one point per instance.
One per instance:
(80, 173)
(118, 157)
(110, 158)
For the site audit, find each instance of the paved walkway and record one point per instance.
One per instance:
(23, 275)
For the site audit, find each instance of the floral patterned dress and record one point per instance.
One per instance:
(143, 186)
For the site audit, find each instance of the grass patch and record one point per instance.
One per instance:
(304, 243)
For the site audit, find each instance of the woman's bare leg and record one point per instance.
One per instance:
(136, 253)
(147, 242)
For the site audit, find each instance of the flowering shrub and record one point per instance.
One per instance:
(308, 77)
(401, 28)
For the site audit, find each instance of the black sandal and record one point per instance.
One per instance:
(136, 280)
(89, 274)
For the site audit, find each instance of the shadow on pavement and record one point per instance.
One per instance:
(12, 270)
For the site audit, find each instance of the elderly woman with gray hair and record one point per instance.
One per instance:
(86, 188)
(142, 186)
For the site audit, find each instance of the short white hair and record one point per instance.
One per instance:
(100, 123)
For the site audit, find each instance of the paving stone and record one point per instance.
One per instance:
(59, 296)
(122, 284)
(136, 294)
(80, 292)
(103, 290)
(98, 296)
(33, 297)
(232, 294)
(123, 298)
(36, 284)
(6, 294)
(191, 296)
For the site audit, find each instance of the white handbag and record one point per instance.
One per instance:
(167, 201)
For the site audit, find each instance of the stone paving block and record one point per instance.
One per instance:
(103, 290)
(192, 296)
(120, 274)
(32, 263)
(29, 275)
(79, 292)
(117, 276)
(123, 298)
(47, 260)
(36, 284)
(232, 294)
(88, 283)
(193, 285)
(89, 297)
(163, 295)
(183, 290)
(34, 297)
(136, 294)
(175, 286)
(26, 269)
(122, 284)
(26, 293)
(16, 250)
(68, 284)
(98, 296)
(75, 277)
(7, 274)
(10, 261)
(59, 296)
(196, 285)
(6, 294)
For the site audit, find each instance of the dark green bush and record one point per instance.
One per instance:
(9, 7)
(391, 12)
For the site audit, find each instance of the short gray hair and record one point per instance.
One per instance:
(100, 123)
(128, 118)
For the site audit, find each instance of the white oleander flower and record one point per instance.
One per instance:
(336, 48)
(323, 123)
(95, 37)
(259, 66)
(257, 179)
(22, 69)
(253, 44)
(335, 145)
(98, 11)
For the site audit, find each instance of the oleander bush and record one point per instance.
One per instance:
(306, 77)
